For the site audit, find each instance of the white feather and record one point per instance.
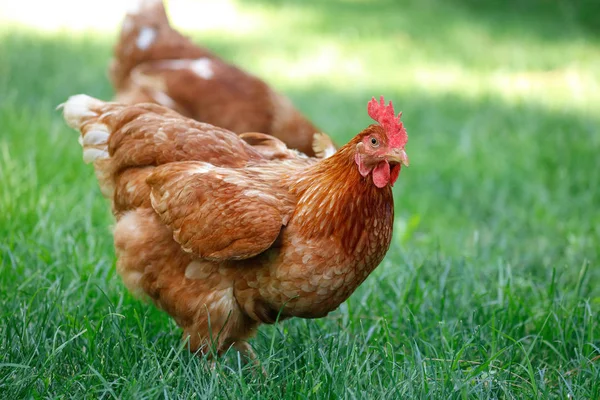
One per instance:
(145, 38)
(202, 68)
(78, 107)
(91, 155)
(95, 137)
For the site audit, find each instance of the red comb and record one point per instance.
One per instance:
(387, 119)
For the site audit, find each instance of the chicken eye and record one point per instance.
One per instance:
(374, 142)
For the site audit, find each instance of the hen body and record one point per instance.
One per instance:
(156, 64)
(226, 232)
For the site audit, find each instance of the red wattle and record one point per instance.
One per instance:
(394, 174)
(381, 174)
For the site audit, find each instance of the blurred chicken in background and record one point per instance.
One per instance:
(155, 63)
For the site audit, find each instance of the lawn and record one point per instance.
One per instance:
(491, 288)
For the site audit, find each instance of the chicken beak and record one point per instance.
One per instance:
(398, 156)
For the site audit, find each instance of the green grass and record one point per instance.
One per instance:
(491, 288)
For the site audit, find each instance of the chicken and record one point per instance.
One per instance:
(227, 232)
(155, 63)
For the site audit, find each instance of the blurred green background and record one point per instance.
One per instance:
(491, 288)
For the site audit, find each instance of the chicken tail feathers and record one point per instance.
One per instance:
(323, 146)
(80, 113)
(83, 113)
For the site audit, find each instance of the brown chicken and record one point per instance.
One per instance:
(156, 64)
(226, 232)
